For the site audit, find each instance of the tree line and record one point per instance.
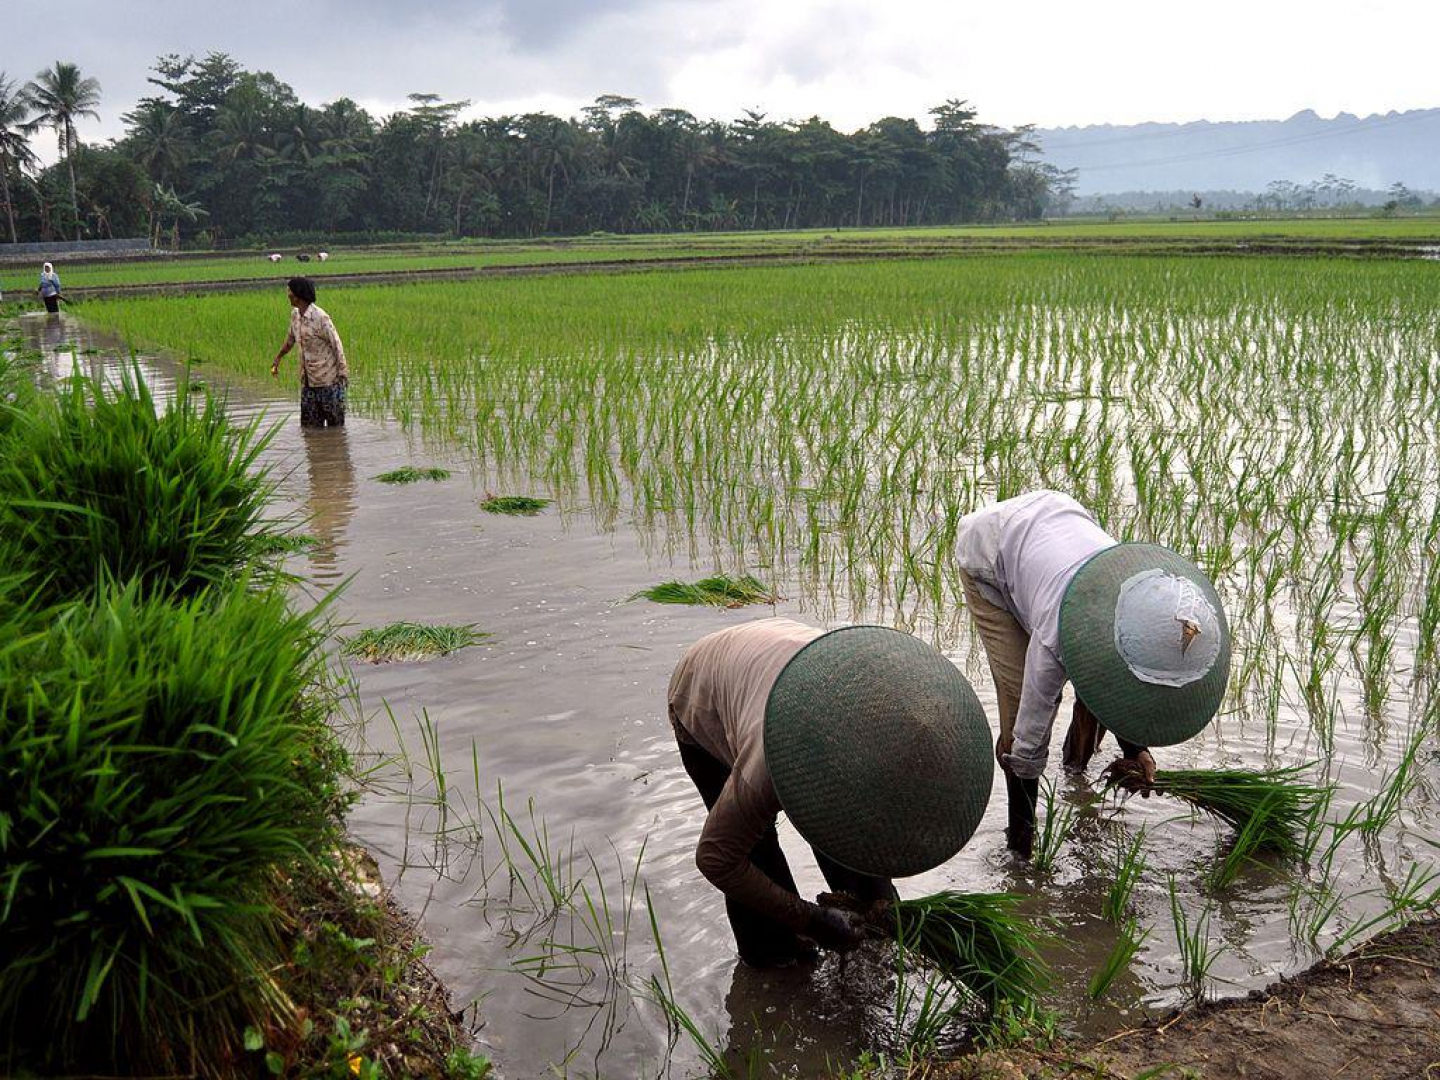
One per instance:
(219, 153)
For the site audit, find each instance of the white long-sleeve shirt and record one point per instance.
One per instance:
(1022, 553)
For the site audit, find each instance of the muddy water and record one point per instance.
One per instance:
(565, 707)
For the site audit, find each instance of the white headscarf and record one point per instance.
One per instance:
(47, 269)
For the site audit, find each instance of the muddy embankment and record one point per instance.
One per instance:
(1374, 1013)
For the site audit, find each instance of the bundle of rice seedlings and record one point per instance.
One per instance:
(976, 940)
(718, 591)
(409, 474)
(410, 641)
(163, 765)
(274, 544)
(1269, 808)
(513, 504)
(99, 484)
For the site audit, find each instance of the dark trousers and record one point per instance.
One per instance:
(52, 304)
(322, 405)
(761, 940)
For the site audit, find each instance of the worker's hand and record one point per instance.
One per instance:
(1133, 773)
(275, 369)
(1003, 745)
(835, 929)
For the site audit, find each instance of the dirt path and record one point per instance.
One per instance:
(1371, 1014)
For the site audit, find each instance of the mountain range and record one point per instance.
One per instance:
(1373, 151)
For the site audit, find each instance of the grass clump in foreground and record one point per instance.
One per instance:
(976, 940)
(101, 485)
(718, 591)
(410, 641)
(160, 761)
(515, 505)
(409, 474)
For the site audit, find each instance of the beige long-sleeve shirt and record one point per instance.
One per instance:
(717, 701)
(322, 356)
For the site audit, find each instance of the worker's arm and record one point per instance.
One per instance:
(289, 344)
(1039, 701)
(736, 823)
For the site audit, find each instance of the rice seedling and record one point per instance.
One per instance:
(1271, 809)
(977, 940)
(1125, 873)
(1127, 945)
(404, 641)
(1197, 954)
(410, 474)
(514, 505)
(279, 544)
(719, 590)
(1055, 828)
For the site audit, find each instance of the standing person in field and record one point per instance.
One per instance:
(870, 741)
(324, 374)
(50, 288)
(1138, 630)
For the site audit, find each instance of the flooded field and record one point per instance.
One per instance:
(824, 430)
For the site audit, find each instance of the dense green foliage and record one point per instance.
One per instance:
(108, 486)
(165, 755)
(159, 762)
(233, 153)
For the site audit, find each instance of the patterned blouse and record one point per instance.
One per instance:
(322, 356)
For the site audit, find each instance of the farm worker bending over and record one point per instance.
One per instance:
(324, 373)
(870, 741)
(1136, 628)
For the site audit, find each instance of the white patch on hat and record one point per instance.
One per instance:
(1166, 630)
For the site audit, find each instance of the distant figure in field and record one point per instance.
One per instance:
(50, 288)
(324, 374)
(323, 256)
(302, 257)
(275, 256)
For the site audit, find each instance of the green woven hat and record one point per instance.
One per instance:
(879, 751)
(1144, 640)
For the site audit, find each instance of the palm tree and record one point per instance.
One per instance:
(60, 96)
(159, 137)
(15, 152)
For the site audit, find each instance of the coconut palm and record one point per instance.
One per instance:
(15, 152)
(160, 140)
(60, 96)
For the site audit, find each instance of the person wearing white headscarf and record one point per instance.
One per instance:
(50, 288)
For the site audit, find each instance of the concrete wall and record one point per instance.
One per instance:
(48, 248)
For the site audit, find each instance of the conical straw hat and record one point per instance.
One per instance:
(1144, 639)
(879, 751)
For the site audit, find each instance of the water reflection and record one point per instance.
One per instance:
(331, 500)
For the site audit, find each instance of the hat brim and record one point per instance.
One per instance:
(879, 751)
(1138, 712)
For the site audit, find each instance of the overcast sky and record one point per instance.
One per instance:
(1046, 62)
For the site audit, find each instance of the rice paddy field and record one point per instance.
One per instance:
(1418, 236)
(821, 429)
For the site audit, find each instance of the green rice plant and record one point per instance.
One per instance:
(409, 474)
(514, 505)
(404, 641)
(1270, 808)
(1417, 894)
(163, 765)
(271, 545)
(720, 590)
(1125, 873)
(1127, 945)
(1197, 955)
(976, 940)
(1054, 831)
(101, 484)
